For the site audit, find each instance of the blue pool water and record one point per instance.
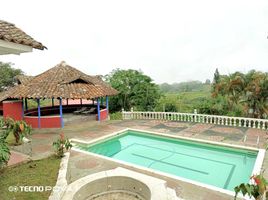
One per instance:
(219, 166)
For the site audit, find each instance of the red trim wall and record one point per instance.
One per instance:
(103, 115)
(12, 109)
(46, 122)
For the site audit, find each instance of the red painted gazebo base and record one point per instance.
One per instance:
(45, 121)
(50, 117)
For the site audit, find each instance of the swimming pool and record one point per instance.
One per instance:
(216, 165)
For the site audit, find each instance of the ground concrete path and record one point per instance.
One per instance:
(17, 158)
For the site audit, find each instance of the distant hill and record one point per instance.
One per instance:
(190, 86)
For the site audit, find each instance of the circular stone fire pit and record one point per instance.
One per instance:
(114, 187)
(119, 184)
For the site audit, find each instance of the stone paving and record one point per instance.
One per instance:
(17, 158)
(81, 164)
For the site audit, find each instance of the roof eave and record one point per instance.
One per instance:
(13, 48)
(7, 47)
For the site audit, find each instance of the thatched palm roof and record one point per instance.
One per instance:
(10, 33)
(61, 81)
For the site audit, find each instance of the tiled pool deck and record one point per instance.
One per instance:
(81, 164)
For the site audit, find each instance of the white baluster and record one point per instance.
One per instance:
(222, 121)
(263, 125)
(254, 125)
(249, 123)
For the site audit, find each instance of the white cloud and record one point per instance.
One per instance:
(169, 40)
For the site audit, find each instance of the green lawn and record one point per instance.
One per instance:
(36, 173)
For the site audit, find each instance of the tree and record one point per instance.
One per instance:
(256, 94)
(135, 90)
(233, 85)
(216, 80)
(246, 94)
(207, 82)
(7, 75)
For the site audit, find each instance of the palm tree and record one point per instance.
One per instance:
(256, 94)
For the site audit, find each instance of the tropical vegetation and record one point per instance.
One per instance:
(244, 94)
(236, 94)
(255, 189)
(136, 90)
(61, 145)
(8, 126)
(7, 75)
(4, 150)
(19, 129)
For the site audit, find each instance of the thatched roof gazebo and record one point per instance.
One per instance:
(60, 82)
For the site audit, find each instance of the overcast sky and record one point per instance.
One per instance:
(171, 41)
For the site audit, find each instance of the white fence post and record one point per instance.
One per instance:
(123, 114)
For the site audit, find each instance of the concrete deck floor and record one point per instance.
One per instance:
(83, 128)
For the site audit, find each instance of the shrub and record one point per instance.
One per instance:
(61, 145)
(4, 150)
(256, 189)
(170, 107)
(19, 129)
(116, 116)
(4, 153)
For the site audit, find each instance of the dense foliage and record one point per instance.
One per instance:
(244, 94)
(236, 94)
(255, 189)
(4, 149)
(135, 90)
(19, 129)
(7, 75)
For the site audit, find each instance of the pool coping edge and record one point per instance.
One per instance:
(256, 169)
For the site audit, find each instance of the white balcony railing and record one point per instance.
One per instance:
(199, 118)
